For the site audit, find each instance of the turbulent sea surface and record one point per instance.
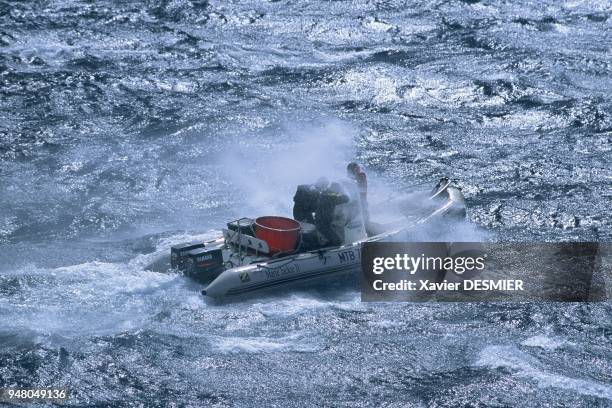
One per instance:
(126, 127)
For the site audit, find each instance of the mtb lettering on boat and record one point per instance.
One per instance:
(348, 256)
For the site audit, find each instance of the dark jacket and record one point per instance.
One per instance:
(305, 202)
(324, 216)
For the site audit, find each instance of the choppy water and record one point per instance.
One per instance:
(125, 128)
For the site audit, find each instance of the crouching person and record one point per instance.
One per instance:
(330, 220)
(306, 200)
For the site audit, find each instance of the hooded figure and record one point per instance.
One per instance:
(306, 200)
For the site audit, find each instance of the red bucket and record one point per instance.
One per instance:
(280, 233)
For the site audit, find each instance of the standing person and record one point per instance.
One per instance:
(355, 173)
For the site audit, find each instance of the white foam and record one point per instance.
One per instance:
(527, 366)
(100, 298)
(294, 342)
(377, 25)
(294, 304)
(544, 342)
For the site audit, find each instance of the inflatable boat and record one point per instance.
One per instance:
(246, 260)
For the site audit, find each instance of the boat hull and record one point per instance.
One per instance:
(310, 265)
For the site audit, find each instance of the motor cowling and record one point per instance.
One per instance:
(178, 253)
(198, 261)
(204, 264)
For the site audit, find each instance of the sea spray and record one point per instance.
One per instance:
(267, 174)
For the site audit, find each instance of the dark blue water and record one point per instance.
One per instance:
(127, 127)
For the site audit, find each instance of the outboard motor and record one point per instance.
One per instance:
(198, 261)
(178, 253)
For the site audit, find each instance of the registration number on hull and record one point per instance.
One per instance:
(282, 271)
